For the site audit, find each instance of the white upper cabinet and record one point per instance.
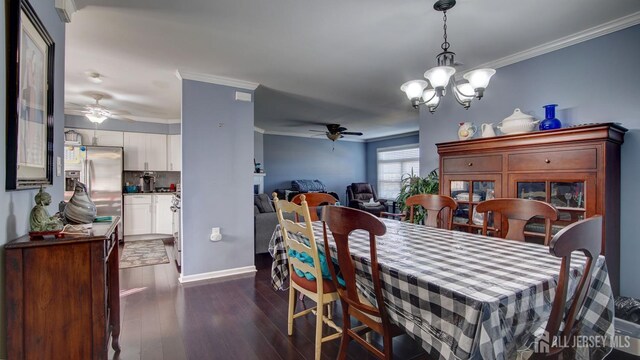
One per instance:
(103, 137)
(156, 149)
(174, 154)
(145, 152)
(135, 157)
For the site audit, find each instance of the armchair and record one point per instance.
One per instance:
(359, 196)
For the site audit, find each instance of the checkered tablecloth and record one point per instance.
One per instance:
(466, 296)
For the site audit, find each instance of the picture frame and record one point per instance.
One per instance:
(30, 74)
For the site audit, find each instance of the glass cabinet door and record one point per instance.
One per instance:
(468, 192)
(567, 196)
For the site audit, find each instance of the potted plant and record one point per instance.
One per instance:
(413, 184)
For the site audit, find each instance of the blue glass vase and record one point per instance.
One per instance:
(550, 122)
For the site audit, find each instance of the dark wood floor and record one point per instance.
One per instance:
(239, 318)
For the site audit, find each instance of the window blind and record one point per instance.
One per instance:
(393, 164)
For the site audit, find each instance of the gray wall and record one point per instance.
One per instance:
(81, 122)
(290, 158)
(217, 180)
(372, 153)
(16, 205)
(594, 81)
(258, 148)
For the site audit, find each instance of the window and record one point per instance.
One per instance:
(393, 164)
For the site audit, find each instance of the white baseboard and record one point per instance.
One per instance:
(217, 274)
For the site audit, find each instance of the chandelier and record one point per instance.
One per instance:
(438, 78)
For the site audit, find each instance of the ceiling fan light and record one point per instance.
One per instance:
(439, 76)
(413, 88)
(479, 79)
(96, 118)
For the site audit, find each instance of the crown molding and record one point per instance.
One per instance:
(214, 79)
(65, 9)
(588, 34)
(257, 129)
(394, 136)
(311, 136)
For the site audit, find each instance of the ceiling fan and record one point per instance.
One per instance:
(96, 113)
(335, 132)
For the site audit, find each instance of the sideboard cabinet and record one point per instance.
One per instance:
(62, 295)
(575, 169)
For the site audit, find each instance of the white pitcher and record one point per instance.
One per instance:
(487, 130)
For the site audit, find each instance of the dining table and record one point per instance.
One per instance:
(464, 295)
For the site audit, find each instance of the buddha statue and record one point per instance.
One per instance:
(40, 220)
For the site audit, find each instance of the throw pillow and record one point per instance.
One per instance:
(263, 202)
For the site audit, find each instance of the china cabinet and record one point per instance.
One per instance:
(575, 169)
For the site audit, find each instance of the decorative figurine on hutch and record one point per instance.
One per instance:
(550, 122)
(466, 131)
(80, 209)
(40, 220)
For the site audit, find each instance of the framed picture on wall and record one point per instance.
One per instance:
(30, 67)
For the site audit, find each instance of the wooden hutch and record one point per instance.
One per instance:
(576, 169)
(63, 296)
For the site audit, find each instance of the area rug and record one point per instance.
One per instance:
(143, 253)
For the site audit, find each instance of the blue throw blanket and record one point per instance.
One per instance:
(308, 186)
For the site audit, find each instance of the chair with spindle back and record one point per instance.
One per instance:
(517, 212)
(584, 236)
(341, 222)
(313, 201)
(321, 291)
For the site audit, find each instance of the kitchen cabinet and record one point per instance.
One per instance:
(174, 153)
(103, 137)
(63, 296)
(138, 214)
(163, 216)
(145, 152)
(134, 151)
(575, 169)
(156, 151)
(148, 214)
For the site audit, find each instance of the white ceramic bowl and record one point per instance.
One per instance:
(517, 123)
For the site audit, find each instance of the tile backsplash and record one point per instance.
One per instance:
(163, 178)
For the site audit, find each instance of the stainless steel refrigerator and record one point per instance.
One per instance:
(100, 169)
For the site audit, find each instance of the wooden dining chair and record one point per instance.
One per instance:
(434, 206)
(313, 201)
(517, 212)
(321, 291)
(342, 221)
(584, 236)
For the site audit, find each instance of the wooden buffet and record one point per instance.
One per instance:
(576, 169)
(62, 295)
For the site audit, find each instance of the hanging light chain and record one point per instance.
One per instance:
(445, 45)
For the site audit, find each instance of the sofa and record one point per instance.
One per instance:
(302, 187)
(264, 222)
(362, 196)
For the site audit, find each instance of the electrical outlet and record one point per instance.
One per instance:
(215, 234)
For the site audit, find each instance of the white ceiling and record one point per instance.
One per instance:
(321, 61)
